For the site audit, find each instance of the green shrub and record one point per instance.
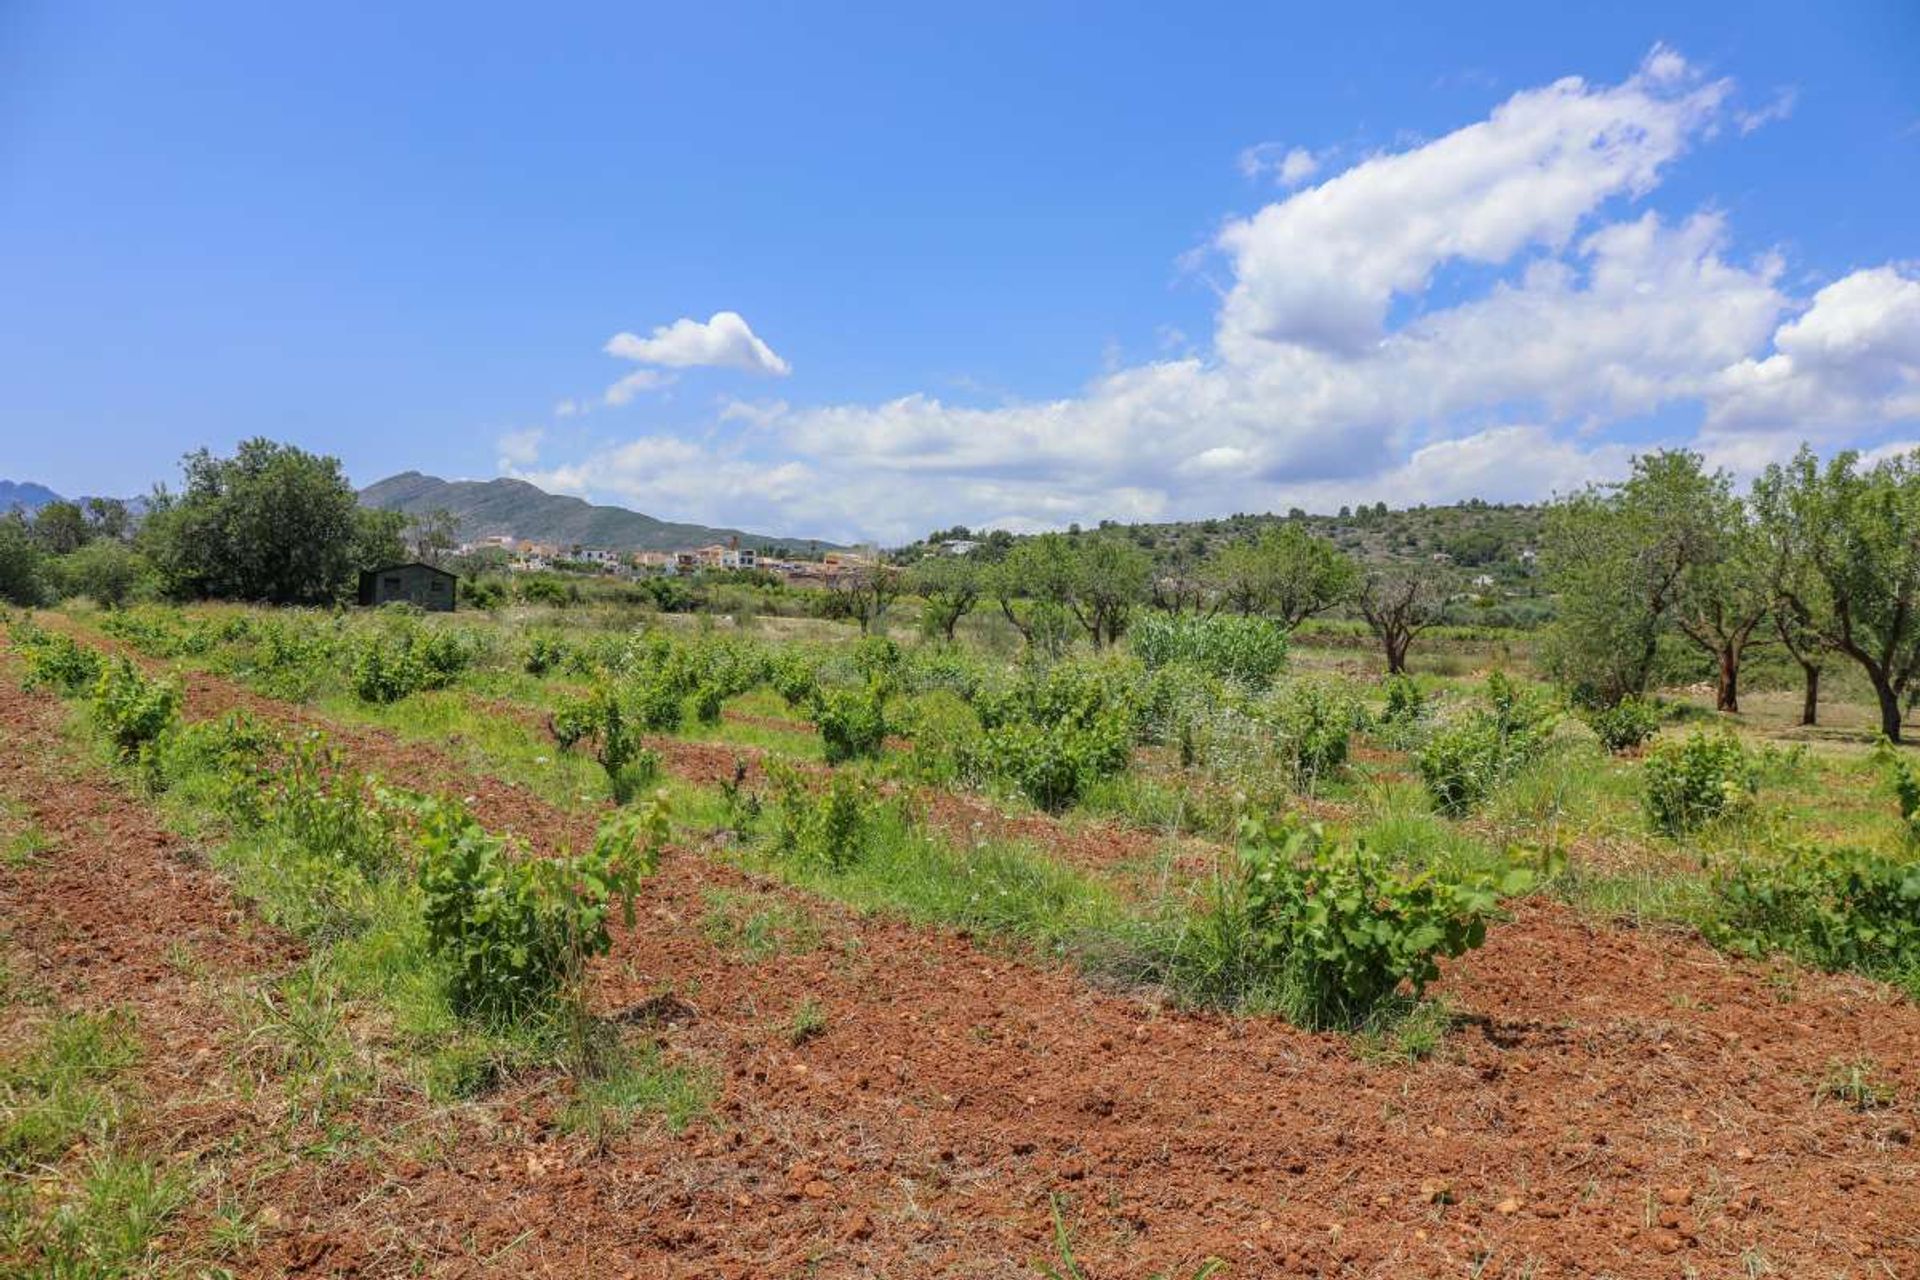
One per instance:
(1248, 650)
(1406, 704)
(1462, 763)
(945, 734)
(1053, 765)
(515, 930)
(932, 667)
(545, 652)
(1702, 778)
(826, 829)
(329, 811)
(133, 709)
(877, 658)
(1905, 781)
(1173, 700)
(654, 701)
(56, 661)
(1838, 908)
(1312, 725)
(852, 722)
(1625, 725)
(707, 702)
(390, 664)
(1351, 927)
(793, 677)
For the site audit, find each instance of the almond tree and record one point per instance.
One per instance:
(1860, 592)
(1399, 602)
(1286, 573)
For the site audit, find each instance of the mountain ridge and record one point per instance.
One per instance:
(26, 495)
(483, 508)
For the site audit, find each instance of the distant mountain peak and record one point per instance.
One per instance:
(26, 495)
(483, 508)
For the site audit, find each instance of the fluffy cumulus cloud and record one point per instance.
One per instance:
(724, 342)
(1483, 314)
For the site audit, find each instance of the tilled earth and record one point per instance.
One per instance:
(1611, 1102)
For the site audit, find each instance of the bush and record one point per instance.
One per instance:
(516, 930)
(826, 830)
(133, 709)
(852, 722)
(390, 665)
(1705, 777)
(1838, 908)
(1350, 926)
(1248, 650)
(1312, 725)
(545, 652)
(877, 658)
(602, 719)
(945, 735)
(1625, 725)
(792, 675)
(56, 661)
(1054, 764)
(1461, 763)
(1906, 786)
(654, 701)
(707, 702)
(1406, 704)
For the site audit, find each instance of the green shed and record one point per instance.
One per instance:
(416, 583)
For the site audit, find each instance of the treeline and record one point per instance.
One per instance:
(1822, 560)
(272, 524)
(1059, 588)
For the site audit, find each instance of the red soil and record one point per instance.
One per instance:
(1617, 1102)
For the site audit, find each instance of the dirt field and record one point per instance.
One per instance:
(1609, 1100)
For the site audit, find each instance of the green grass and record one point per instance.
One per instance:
(755, 926)
(629, 1083)
(62, 1089)
(74, 1200)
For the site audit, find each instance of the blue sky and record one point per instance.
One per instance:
(1011, 264)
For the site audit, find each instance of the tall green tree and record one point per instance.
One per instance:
(22, 562)
(273, 523)
(1797, 591)
(1286, 573)
(61, 527)
(1861, 590)
(1617, 556)
(1725, 590)
(106, 571)
(1110, 577)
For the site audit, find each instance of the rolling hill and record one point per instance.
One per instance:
(487, 507)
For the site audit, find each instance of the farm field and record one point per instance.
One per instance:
(317, 957)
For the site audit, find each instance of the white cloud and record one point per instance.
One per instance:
(568, 408)
(1320, 269)
(520, 448)
(623, 391)
(1474, 315)
(1850, 360)
(725, 341)
(1779, 108)
(1290, 166)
